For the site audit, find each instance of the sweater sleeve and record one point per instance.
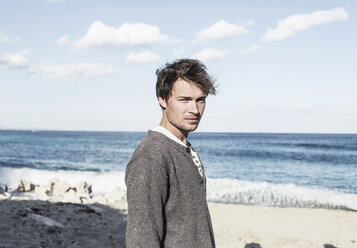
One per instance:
(147, 192)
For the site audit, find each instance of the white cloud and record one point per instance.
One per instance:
(4, 38)
(128, 34)
(288, 26)
(251, 49)
(70, 71)
(219, 30)
(15, 60)
(210, 54)
(141, 58)
(64, 40)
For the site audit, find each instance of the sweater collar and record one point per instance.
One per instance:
(168, 134)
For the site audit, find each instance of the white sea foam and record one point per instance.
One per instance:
(282, 195)
(102, 182)
(218, 190)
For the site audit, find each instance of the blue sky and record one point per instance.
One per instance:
(281, 66)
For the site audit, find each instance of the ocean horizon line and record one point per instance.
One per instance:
(144, 131)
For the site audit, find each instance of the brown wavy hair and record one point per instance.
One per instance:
(191, 70)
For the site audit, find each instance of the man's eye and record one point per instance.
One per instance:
(202, 100)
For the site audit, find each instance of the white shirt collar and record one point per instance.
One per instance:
(167, 133)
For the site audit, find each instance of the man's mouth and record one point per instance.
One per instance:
(193, 119)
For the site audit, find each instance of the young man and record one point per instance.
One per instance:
(166, 185)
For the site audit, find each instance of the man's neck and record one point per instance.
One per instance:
(168, 134)
(175, 131)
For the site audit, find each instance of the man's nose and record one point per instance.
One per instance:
(193, 108)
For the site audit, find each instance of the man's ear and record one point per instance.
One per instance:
(162, 102)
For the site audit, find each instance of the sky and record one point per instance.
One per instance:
(281, 66)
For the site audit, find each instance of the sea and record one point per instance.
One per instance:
(262, 169)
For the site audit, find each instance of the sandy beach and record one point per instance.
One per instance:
(271, 227)
(38, 223)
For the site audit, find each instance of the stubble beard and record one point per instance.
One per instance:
(186, 128)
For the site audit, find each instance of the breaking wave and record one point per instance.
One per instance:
(279, 195)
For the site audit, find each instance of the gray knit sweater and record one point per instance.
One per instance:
(167, 204)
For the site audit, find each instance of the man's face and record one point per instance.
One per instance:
(184, 108)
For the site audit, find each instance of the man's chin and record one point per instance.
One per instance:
(191, 128)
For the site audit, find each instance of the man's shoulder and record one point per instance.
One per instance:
(153, 144)
(150, 153)
(153, 141)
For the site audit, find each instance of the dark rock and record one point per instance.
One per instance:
(3, 188)
(252, 245)
(35, 210)
(329, 246)
(25, 186)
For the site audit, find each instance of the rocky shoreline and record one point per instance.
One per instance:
(61, 191)
(60, 215)
(33, 223)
